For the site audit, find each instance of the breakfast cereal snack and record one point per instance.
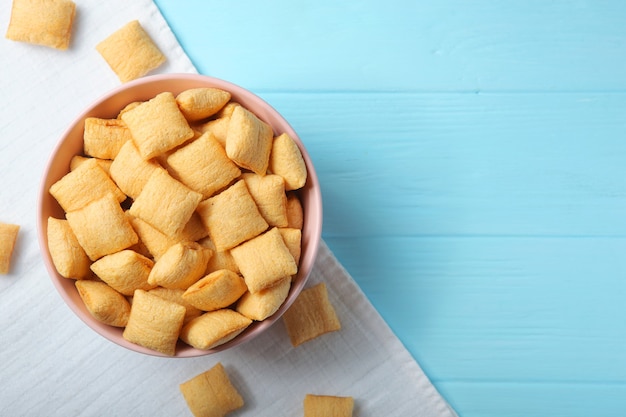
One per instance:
(286, 160)
(219, 260)
(83, 185)
(310, 316)
(155, 242)
(8, 237)
(200, 103)
(293, 241)
(219, 124)
(211, 394)
(328, 406)
(217, 290)
(130, 52)
(268, 192)
(77, 160)
(176, 295)
(249, 141)
(42, 22)
(180, 266)
(125, 271)
(154, 322)
(104, 303)
(68, 257)
(264, 260)
(202, 165)
(231, 217)
(90, 223)
(130, 171)
(264, 303)
(157, 125)
(214, 328)
(103, 138)
(165, 203)
(295, 214)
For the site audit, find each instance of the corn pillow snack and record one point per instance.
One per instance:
(219, 260)
(125, 271)
(180, 266)
(130, 52)
(328, 406)
(102, 228)
(249, 141)
(219, 124)
(264, 260)
(286, 160)
(268, 192)
(214, 328)
(155, 242)
(8, 237)
(85, 184)
(154, 322)
(176, 295)
(157, 125)
(104, 303)
(103, 138)
(262, 304)
(231, 217)
(202, 165)
(42, 22)
(77, 160)
(310, 316)
(217, 290)
(200, 103)
(165, 204)
(293, 239)
(68, 257)
(194, 230)
(130, 171)
(211, 394)
(295, 214)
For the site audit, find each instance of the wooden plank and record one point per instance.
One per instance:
(519, 399)
(492, 308)
(505, 164)
(447, 45)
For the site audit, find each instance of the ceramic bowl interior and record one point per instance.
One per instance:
(108, 106)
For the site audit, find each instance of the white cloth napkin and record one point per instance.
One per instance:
(51, 364)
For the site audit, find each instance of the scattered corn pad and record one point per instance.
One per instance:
(310, 316)
(328, 406)
(130, 52)
(42, 22)
(211, 394)
(8, 237)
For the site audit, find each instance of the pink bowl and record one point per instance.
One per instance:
(108, 106)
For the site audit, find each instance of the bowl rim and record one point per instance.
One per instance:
(312, 186)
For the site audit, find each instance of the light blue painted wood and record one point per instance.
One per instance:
(472, 156)
(443, 45)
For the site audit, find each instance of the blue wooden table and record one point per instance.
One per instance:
(472, 156)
